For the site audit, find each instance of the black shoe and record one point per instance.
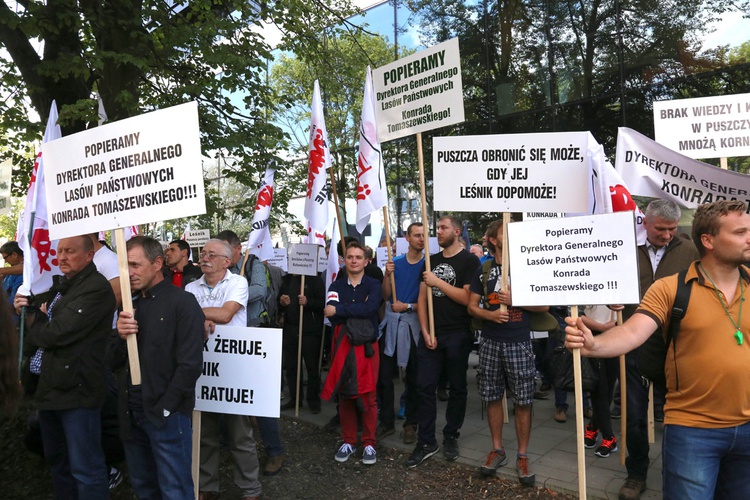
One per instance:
(333, 424)
(421, 453)
(289, 405)
(450, 448)
(442, 395)
(314, 407)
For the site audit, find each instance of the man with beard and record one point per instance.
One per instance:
(448, 282)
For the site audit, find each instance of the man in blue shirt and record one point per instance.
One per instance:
(401, 332)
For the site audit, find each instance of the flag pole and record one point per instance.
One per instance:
(390, 251)
(578, 385)
(338, 217)
(127, 305)
(299, 350)
(423, 200)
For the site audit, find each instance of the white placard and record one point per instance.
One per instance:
(381, 254)
(652, 169)
(303, 259)
(143, 169)
(420, 92)
(542, 215)
(705, 127)
(241, 372)
(402, 246)
(574, 260)
(512, 172)
(198, 238)
(279, 258)
(6, 168)
(322, 258)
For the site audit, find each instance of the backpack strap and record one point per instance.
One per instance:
(679, 308)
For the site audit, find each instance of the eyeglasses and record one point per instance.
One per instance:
(211, 255)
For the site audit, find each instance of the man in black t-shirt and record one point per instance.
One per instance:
(506, 358)
(448, 281)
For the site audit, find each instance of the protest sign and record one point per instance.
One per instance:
(574, 260)
(279, 259)
(303, 259)
(6, 169)
(542, 215)
(420, 92)
(512, 172)
(197, 238)
(651, 169)
(322, 258)
(704, 127)
(241, 372)
(142, 169)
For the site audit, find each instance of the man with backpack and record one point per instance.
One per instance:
(506, 357)
(662, 255)
(707, 415)
(257, 290)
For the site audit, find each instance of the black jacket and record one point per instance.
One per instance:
(315, 292)
(170, 348)
(190, 273)
(73, 372)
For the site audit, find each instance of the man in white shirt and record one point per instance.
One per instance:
(223, 297)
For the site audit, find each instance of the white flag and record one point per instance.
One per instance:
(371, 191)
(259, 240)
(130, 231)
(185, 234)
(319, 161)
(39, 253)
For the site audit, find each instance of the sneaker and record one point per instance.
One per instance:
(442, 395)
(525, 476)
(409, 434)
(561, 415)
(370, 456)
(382, 431)
(632, 489)
(344, 452)
(615, 413)
(588, 413)
(450, 448)
(421, 453)
(115, 478)
(589, 436)
(606, 447)
(494, 460)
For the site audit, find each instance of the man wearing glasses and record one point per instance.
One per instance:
(223, 297)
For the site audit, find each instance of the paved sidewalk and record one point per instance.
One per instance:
(552, 450)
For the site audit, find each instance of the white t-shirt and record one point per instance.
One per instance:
(232, 287)
(105, 261)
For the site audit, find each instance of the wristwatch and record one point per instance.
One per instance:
(166, 413)
(410, 308)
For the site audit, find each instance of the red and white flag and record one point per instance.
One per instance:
(130, 231)
(259, 240)
(334, 266)
(185, 234)
(319, 161)
(610, 194)
(40, 253)
(371, 191)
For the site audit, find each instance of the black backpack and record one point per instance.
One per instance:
(652, 354)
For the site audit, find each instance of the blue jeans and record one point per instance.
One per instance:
(159, 459)
(73, 449)
(271, 435)
(706, 463)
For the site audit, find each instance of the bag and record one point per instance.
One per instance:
(274, 275)
(540, 321)
(560, 366)
(652, 354)
(361, 332)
